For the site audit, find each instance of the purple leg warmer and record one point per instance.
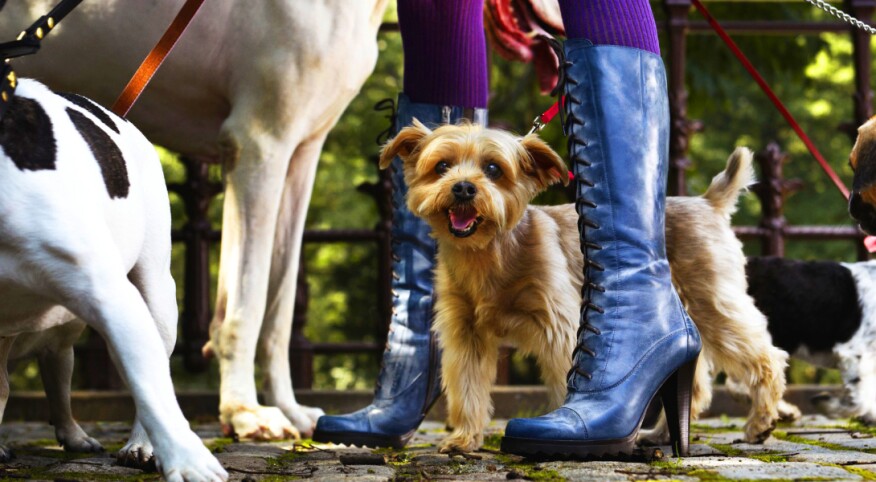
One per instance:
(445, 52)
(611, 22)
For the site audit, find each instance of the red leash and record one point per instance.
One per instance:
(161, 50)
(542, 120)
(869, 241)
(775, 100)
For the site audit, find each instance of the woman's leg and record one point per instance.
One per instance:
(445, 81)
(635, 339)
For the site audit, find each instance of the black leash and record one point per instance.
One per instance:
(28, 43)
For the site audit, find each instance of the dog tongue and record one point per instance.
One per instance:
(462, 218)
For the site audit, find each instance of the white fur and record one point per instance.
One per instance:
(256, 85)
(67, 251)
(856, 358)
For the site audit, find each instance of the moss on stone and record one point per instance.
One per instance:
(44, 474)
(672, 468)
(697, 428)
(217, 445)
(284, 460)
(861, 472)
(764, 456)
(493, 441)
(781, 435)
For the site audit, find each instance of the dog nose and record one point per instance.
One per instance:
(863, 212)
(464, 191)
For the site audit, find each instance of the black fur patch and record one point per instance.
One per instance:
(94, 109)
(107, 153)
(807, 303)
(26, 135)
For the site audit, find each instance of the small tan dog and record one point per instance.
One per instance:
(508, 272)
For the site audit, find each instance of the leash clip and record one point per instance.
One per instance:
(537, 125)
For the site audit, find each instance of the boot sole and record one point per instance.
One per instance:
(674, 392)
(574, 449)
(364, 439)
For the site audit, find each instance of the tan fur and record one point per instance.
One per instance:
(517, 278)
(863, 148)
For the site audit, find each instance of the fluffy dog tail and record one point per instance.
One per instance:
(723, 193)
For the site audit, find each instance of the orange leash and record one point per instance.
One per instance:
(161, 50)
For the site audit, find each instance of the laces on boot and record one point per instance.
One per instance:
(388, 104)
(576, 144)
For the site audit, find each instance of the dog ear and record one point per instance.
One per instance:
(404, 143)
(549, 167)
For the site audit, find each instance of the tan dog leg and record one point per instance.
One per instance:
(749, 357)
(471, 363)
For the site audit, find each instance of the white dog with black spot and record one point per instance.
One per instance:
(85, 237)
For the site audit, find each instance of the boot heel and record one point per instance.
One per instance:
(675, 394)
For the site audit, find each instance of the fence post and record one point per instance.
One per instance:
(771, 192)
(680, 128)
(196, 193)
(301, 350)
(863, 98)
(381, 192)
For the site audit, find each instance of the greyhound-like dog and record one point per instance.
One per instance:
(257, 86)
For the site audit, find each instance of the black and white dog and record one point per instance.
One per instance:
(824, 312)
(85, 238)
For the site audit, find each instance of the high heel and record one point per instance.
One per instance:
(675, 395)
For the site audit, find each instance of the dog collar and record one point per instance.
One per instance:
(27, 43)
(7, 86)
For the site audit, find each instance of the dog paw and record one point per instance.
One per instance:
(460, 443)
(137, 455)
(6, 454)
(788, 412)
(190, 461)
(258, 423)
(75, 440)
(758, 429)
(304, 418)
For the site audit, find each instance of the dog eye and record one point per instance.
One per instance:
(493, 171)
(442, 167)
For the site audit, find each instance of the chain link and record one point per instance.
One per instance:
(842, 16)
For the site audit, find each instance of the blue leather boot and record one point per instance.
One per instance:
(409, 380)
(635, 340)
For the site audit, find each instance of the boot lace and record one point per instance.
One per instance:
(388, 106)
(576, 145)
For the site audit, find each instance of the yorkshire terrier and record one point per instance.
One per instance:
(511, 273)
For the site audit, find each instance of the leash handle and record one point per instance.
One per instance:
(156, 57)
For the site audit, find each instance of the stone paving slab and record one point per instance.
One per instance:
(813, 449)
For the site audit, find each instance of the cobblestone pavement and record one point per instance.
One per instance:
(814, 449)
